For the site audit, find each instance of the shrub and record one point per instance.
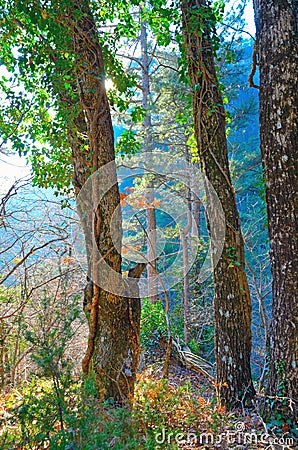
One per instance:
(153, 325)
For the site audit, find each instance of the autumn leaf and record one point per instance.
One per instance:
(201, 401)
(142, 203)
(16, 260)
(68, 260)
(122, 198)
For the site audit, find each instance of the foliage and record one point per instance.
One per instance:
(158, 405)
(127, 144)
(29, 419)
(39, 82)
(88, 423)
(153, 325)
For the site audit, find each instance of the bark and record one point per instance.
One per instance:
(186, 290)
(150, 213)
(232, 304)
(196, 213)
(277, 46)
(184, 242)
(3, 351)
(113, 343)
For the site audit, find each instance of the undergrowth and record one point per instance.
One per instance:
(31, 419)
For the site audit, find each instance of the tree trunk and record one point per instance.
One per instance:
(3, 351)
(277, 46)
(186, 290)
(232, 304)
(114, 320)
(150, 213)
(185, 251)
(196, 213)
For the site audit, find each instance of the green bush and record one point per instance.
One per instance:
(87, 423)
(153, 325)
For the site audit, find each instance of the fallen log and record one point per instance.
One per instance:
(192, 361)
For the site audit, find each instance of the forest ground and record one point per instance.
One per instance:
(178, 413)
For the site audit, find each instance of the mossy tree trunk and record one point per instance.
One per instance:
(114, 321)
(232, 304)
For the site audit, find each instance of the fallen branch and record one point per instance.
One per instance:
(194, 362)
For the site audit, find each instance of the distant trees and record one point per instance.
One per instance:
(277, 48)
(232, 304)
(40, 283)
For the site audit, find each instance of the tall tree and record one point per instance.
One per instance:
(277, 48)
(147, 126)
(232, 304)
(112, 345)
(66, 65)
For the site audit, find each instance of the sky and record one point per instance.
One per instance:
(249, 17)
(14, 167)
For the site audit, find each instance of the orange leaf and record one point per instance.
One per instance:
(201, 401)
(122, 198)
(142, 203)
(68, 260)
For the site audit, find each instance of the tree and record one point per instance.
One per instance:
(147, 125)
(66, 67)
(277, 48)
(232, 304)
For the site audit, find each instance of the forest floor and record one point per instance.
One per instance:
(178, 413)
(199, 423)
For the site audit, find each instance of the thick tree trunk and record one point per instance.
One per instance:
(150, 213)
(232, 304)
(277, 45)
(113, 344)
